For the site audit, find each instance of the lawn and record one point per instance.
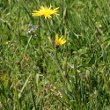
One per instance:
(54, 54)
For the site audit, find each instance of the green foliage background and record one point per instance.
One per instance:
(35, 75)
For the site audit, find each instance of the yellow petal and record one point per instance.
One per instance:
(56, 37)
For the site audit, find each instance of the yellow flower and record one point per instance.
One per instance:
(59, 41)
(45, 11)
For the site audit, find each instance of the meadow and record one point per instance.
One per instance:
(37, 73)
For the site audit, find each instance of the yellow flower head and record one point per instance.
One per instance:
(59, 41)
(45, 11)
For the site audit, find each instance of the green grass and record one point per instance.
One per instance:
(35, 75)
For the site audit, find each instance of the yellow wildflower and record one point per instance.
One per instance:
(45, 11)
(59, 41)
